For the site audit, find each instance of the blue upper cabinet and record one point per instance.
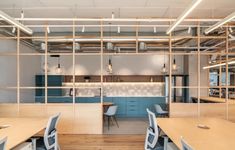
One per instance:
(52, 80)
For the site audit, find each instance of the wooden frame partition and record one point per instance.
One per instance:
(88, 118)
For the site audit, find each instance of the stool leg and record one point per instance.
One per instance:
(114, 117)
(108, 122)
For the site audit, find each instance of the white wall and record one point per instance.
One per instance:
(122, 65)
(29, 67)
(193, 75)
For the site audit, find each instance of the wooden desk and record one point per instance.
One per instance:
(215, 100)
(220, 136)
(106, 106)
(20, 129)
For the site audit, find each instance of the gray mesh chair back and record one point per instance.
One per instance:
(111, 110)
(185, 145)
(50, 134)
(152, 132)
(159, 110)
(3, 143)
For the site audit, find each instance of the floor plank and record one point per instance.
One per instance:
(101, 142)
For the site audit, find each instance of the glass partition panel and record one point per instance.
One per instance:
(212, 105)
(31, 68)
(8, 74)
(8, 95)
(32, 95)
(87, 79)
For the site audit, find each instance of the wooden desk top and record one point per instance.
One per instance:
(107, 103)
(20, 129)
(220, 136)
(216, 100)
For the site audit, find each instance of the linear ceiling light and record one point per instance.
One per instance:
(220, 23)
(217, 65)
(186, 12)
(11, 20)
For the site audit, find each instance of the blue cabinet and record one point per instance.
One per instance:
(87, 100)
(135, 106)
(52, 80)
(121, 103)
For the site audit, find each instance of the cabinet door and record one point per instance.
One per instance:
(132, 107)
(144, 103)
(121, 103)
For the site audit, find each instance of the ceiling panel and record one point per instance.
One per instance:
(167, 3)
(68, 3)
(120, 3)
(143, 12)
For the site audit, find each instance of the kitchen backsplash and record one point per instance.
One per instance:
(128, 89)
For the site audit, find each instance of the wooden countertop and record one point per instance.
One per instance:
(220, 136)
(20, 129)
(216, 100)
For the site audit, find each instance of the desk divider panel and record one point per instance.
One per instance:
(75, 119)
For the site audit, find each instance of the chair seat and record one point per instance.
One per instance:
(164, 112)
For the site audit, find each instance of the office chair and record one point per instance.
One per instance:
(110, 113)
(50, 139)
(3, 143)
(160, 111)
(185, 145)
(153, 141)
(152, 135)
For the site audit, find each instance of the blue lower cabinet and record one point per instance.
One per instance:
(127, 106)
(121, 103)
(60, 100)
(132, 105)
(108, 99)
(87, 100)
(41, 99)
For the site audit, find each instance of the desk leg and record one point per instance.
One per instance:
(34, 143)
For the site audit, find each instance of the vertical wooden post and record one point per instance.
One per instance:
(101, 69)
(18, 70)
(101, 62)
(198, 69)
(73, 55)
(46, 65)
(137, 37)
(170, 74)
(227, 84)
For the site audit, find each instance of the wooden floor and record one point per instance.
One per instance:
(101, 142)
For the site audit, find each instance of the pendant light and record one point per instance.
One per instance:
(110, 47)
(110, 67)
(163, 70)
(47, 68)
(58, 68)
(174, 66)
